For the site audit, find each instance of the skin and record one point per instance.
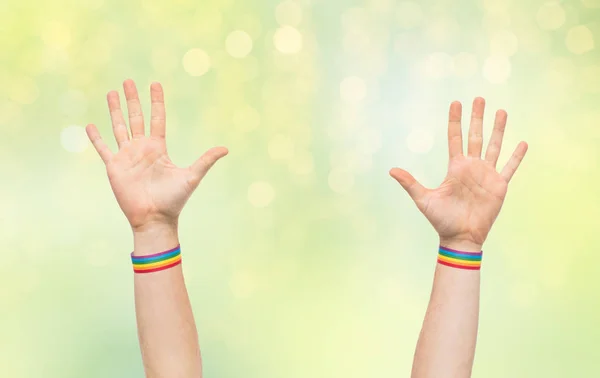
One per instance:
(151, 192)
(462, 210)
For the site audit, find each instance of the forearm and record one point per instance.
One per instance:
(446, 346)
(166, 327)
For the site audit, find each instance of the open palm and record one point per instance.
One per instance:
(148, 186)
(464, 207)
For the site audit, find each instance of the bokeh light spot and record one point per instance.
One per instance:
(353, 89)
(289, 13)
(420, 141)
(56, 34)
(196, 62)
(288, 40)
(497, 69)
(496, 6)
(551, 16)
(74, 139)
(238, 44)
(591, 3)
(260, 194)
(580, 40)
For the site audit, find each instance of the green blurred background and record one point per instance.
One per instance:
(303, 258)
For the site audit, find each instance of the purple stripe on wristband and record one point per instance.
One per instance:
(463, 252)
(158, 254)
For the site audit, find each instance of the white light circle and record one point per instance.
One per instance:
(551, 16)
(497, 69)
(74, 139)
(288, 40)
(420, 141)
(238, 44)
(580, 40)
(196, 62)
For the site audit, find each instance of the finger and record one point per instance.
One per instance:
(205, 162)
(476, 128)
(495, 145)
(158, 117)
(99, 145)
(136, 118)
(515, 160)
(415, 190)
(454, 130)
(116, 116)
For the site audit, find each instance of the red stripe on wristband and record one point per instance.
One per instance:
(159, 268)
(459, 266)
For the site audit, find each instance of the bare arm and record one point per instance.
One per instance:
(166, 327)
(152, 191)
(446, 346)
(462, 210)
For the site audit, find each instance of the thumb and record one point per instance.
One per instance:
(414, 189)
(205, 162)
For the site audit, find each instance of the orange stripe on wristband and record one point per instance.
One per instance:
(156, 262)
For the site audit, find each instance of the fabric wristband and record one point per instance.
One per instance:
(458, 259)
(156, 262)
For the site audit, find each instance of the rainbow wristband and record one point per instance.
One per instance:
(157, 262)
(459, 259)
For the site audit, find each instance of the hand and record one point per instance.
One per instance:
(149, 188)
(464, 207)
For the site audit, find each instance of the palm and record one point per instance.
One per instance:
(147, 185)
(466, 204)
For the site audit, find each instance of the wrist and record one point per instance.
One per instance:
(461, 244)
(154, 238)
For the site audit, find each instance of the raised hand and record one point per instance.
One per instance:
(149, 188)
(464, 207)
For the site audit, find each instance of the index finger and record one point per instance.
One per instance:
(455, 147)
